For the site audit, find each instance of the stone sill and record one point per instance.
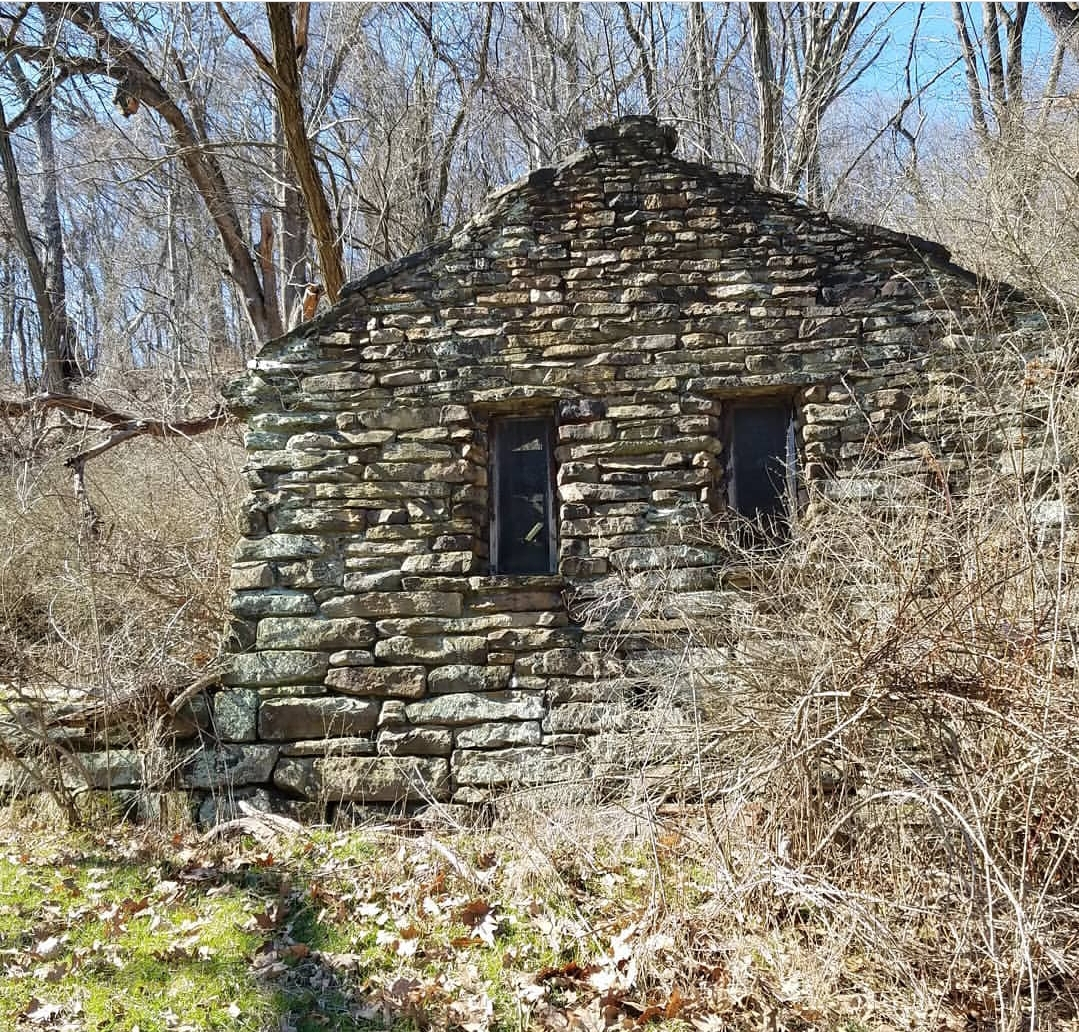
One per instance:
(501, 581)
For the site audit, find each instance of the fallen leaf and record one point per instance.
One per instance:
(47, 948)
(475, 912)
(39, 1013)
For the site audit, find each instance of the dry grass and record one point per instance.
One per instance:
(112, 622)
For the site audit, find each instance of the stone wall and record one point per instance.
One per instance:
(633, 296)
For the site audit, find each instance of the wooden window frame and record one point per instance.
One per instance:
(791, 459)
(495, 522)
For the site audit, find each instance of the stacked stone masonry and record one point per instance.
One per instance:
(632, 297)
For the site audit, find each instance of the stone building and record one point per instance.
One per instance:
(478, 439)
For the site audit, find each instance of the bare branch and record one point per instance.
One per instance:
(122, 427)
(1063, 19)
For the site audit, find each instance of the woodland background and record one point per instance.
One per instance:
(879, 830)
(176, 174)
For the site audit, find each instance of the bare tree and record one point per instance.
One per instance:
(137, 86)
(46, 273)
(1063, 19)
(288, 32)
(805, 56)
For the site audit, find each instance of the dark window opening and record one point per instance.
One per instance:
(522, 496)
(761, 459)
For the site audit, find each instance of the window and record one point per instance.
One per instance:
(761, 464)
(522, 496)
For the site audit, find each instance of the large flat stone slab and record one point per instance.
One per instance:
(477, 708)
(276, 668)
(291, 719)
(394, 603)
(234, 766)
(403, 682)
(365, 779)
(457, 677)
(284, 632)
(525, 766)
(432, 651)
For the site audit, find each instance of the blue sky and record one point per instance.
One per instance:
(937, 48)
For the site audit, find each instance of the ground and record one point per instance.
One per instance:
(411, 926)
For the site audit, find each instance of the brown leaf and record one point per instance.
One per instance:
(475, 913)
(267, 919)
(571, 972)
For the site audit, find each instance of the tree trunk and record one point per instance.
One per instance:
(292, 229)
(286, 83)
(55, 261)
(53, 373)
(764, 76)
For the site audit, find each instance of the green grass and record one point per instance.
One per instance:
(117, 945)
(336, 932)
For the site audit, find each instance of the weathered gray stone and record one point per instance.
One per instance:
(310, 573)
(392, 714)
(377, 779)
(524, 766)
(535, 639)
(307, 519)
(289, 691)
(330, 747)
(272, 603)
(586, 718)
(276, 668)
(294, 718)
(281, 546)
(470, 708)
(382, 580)
(415, 741)
(233, 765)
(248, 576)
(406, 682)
(498, 735)
(331, 382)
(460, 678)
(235, 714)
(303, 633)
(394, 603)
(351, 658)
(296, 776)
(384, 779)
(107, 769)
(440, 563)
(432, 651)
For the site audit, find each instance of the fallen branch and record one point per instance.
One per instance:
(123, 426)
(120, 427)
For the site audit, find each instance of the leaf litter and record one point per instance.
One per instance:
(334, 930)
